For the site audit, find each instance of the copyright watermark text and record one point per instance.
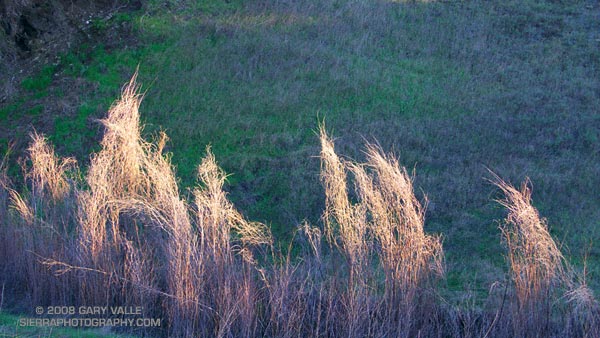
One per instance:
(91, 322)
(90, 316)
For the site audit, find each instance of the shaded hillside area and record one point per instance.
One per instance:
(452, 88)
(35, 32)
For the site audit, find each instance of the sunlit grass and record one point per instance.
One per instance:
(450, 87)
(121, 232)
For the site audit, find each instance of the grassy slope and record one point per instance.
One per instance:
(452, 88)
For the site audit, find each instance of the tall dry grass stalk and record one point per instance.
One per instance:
(48, 172)
(537, 265)
(115, 174)
(47, 183)
(407, 253)
(345, 227)
(118, 184)
(345, 223)
(42, 223)
(224, 255)
(388, 219)
(409, 257)
(217, 217)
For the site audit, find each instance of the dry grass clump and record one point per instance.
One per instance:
(40, 223)
(539, 269)
(397, 220)
(535, 259)
(222, 257)
(47, 183)
(345, 223)
(217, 216)
(345, 227)
(584, 317)
(22, 207)
(119, 183)
(409, 257)
(133, 189)
(115, 174)
(387, 220)
(48, 172)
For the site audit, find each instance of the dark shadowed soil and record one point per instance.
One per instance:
(34, 32)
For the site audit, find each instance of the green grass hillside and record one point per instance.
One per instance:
(452, 88)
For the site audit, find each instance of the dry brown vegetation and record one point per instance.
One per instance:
(123, 234)
(389, 220)
(538, 268)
